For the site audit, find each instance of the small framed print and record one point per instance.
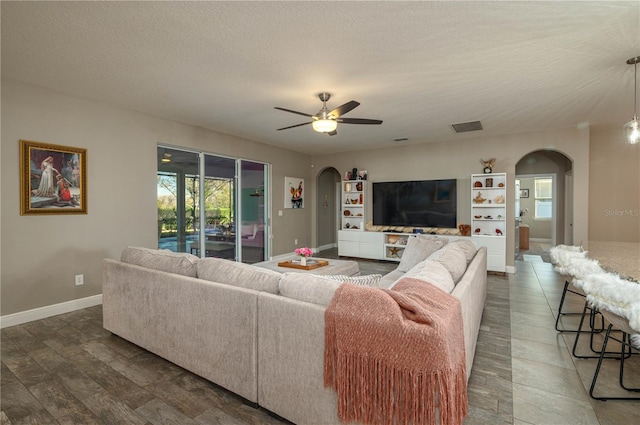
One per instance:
(53, 179)
(524, 193)
(293, 192)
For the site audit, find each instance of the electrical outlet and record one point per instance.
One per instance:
(79, 279)
(295, 242)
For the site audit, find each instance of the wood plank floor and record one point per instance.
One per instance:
(68, 370)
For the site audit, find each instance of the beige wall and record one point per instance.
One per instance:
(460, 159)
(41, 254)
(615, 188)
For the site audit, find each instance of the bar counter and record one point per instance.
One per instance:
(620, 257)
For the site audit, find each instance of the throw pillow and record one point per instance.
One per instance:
(366, 280)
(239, 274)
(434, 273)
(163, 260)
(418, 249)
(467, 247)
(454, 260)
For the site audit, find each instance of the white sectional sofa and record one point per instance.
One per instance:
(257, 332)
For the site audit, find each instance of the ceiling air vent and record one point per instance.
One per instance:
(464, 127)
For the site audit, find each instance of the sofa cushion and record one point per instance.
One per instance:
(418, 249)
(444, 241)
(163, 260)
(238, 274)
(453, 258)
(390, 278)
(309, 288)
(434, 273)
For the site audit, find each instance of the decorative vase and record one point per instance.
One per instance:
(303, 261)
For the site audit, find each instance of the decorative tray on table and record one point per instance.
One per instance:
(311, 264)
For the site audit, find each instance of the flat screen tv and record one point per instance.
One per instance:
(421, 203)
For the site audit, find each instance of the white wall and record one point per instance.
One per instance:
(41, 254)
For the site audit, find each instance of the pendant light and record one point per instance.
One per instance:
(632, 128)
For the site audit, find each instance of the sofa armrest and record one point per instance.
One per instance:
(206, 327)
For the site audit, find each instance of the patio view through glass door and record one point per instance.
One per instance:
(232, 221)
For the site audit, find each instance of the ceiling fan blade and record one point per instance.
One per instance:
(293, 112)
(343, 109)
(333, 133)
(358, 121)
(293, 126)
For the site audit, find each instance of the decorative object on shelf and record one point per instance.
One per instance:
(393, 251)
(347, 175)
(478, 199)
(488, 217)
(392, 239)
(465, 229)
(361, 200)
(489, 182)
(477, 184)
(362, 174)
(354, 201)
(348, 187)
(303, 253)
(499, 217)
(347, 213)
(499, 199)
(498, 232)
(500, 184)
(293, 192)
(347, 226)
(354, 174)
(53, 179)
(488, 165)
(632, 128)
(477, 231)
(524, 193)
(355, 227)
(477, 216)
(359, 186)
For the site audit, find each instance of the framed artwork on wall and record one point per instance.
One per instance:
(293, 192)
(53, 179)
(524, 193)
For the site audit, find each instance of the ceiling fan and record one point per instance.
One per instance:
(326, 121)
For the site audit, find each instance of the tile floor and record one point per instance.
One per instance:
(66, 369)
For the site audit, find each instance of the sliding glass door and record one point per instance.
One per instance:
(212, 206)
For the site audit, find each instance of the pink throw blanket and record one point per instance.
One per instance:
(394, 356)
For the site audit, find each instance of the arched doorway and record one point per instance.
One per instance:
(328, 208)
(544, 201)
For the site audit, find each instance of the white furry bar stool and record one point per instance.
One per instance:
(619, 302)
(561, 256)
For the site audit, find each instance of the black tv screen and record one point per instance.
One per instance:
(423, 203)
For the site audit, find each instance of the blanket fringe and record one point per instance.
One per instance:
(372, 392)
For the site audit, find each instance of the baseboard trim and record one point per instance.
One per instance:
(48, 311)
(510, 269)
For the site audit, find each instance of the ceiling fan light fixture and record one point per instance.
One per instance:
(166, 157)
(632, 128)
(324, 125)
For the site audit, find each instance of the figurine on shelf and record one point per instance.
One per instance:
(499, 199)
(478, 199)
(498, 232)
(488, 165)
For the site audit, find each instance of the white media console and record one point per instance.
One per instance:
(389, 246)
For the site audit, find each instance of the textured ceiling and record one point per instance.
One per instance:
(419, 66)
